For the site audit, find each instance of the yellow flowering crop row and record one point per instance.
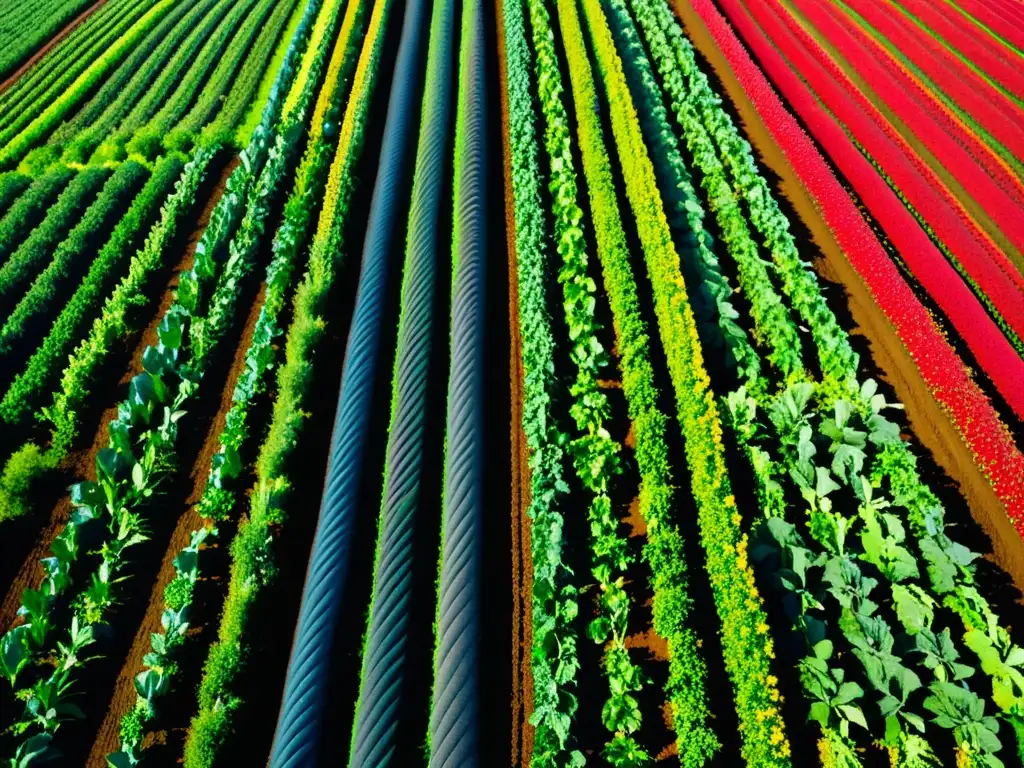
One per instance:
(746, 642)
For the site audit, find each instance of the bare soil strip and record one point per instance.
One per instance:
(522, 560)
(933, 429)
(71, 26)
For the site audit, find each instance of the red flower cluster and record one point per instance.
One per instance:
(944, 372)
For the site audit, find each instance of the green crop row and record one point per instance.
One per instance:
(252, 116)
(227, 93)
(65, 62)
(158, 676)
(12, 184)
(125, 473)
(114, 322)
(253, 569)
(16, 142)
(594, 452)
(686, 686)
(869, 520)
(136, 75)
(29, 208)
(170, 74)
(29, 25)
(223, 117)
(109, 264)
(554, 659)
(207, 77)
(70, 258)
(27, 261)
(695, 104)
(142, 437)
(746, 643)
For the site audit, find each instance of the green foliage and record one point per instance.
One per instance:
(12, 184)
(697, 106)
(553, 657)
(225, 96)
(26, 26)
(131, 115)
(205, 80)
(43, 122)
(686, 684)
(136, 75)
(55, 71)
(26, 262)
(748, 650)
(772, 324)
(46, 289)
(30, 207)
(229, 110)
(253, 569)
(20, 475)
(44, 365)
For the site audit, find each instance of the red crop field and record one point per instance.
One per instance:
(539, 383)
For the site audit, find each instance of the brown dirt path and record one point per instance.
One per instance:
(108, 734)
(68, 29)
(82, 463)
(522, 561)
(930, 424)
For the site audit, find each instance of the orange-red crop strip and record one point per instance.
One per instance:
(990, 109)
(966, 158)
(948, 378)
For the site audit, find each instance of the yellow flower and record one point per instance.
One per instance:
(761, 629)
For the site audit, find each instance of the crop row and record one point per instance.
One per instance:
(963, 42)
(43, 368)
(686, 686)
(593, 451)
(67, 60)
(747, 647)
(29, 258)
(947, 376)
(983, 174)
(857, 436)
(992, 350)
(30, 24)
(1000, 22)
(253, 571)
(227, 93)
(31, 638)
(28, 208)
(204, 77)
(17, 142)
(158, 675)
(910, 178)
(144, 433)
(218, 126)
(135, 77)
(924, 116)
(47, 289)
(170, 73)
(553, 657)
(981, 115)
(12, 184)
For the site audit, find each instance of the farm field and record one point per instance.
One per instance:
(531, 382)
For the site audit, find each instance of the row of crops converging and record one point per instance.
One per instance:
(550, 382)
